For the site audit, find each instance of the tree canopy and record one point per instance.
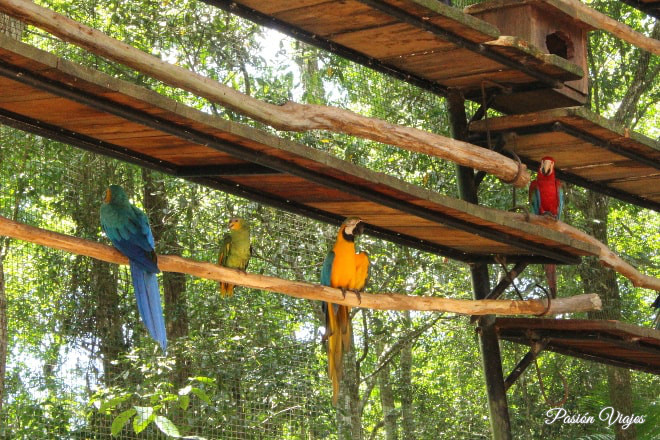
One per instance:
(81, 365)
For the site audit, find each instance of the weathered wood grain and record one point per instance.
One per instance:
(381, 301)
(291, 116)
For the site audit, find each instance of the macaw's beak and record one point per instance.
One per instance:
(359, 228)
(547, 167)
(108, 196)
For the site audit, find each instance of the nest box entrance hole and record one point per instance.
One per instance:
(559, 43)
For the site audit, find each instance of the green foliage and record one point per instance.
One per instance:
(251, 366)
(146, 406)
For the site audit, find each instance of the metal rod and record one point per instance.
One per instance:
(238, 151)
(504, 283)
(519, 369)
(82, 141)
(241, 169)
(559, 126)
(641, 366)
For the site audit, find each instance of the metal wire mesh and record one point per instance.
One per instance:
(56, 367)
(10, 26)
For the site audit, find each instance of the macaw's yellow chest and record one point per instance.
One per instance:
(343, 273)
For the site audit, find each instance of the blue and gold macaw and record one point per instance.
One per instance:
(346, 270)
(128, 229)
(235, 250)
(546, 195)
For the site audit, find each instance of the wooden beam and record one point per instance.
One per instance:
(606, 256)
(491, 358)
(536, 348)
(504, 283)
(381, 301)
(580, 11)
(290, 116)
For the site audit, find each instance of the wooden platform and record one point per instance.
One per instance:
(61, 100)
(424, 42)
(609, 342)
(589, 150)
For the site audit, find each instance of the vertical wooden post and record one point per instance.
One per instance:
(488, 342)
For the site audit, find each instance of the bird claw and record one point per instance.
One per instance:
(359, 296)
(343, 293)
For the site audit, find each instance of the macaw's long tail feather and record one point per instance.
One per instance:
(551, 275)
(338, 336)
(226, 289)
(147, 295)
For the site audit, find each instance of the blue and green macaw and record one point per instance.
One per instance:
(346, 270)
(235, 250)
(128, 229)
(546, 195)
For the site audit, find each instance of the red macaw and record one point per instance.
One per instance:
(547, 198)
(344, 269)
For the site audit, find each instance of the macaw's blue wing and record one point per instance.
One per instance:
(326, 270)
(535, 198)
(147, 296)
(145, 260)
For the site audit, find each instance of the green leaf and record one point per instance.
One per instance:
(119, 421)
(110, 404)
(184, 401)
(167, 427)
(144, 416)
(204, 379)
(201, 394)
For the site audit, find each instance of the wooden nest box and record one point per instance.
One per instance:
(545, 25)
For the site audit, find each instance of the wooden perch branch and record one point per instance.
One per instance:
(598, 20)
(382, 301)
(606, 256)
(291, 116)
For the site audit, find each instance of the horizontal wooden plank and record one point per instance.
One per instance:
(598, 150)
(410, 41)
(154, 127)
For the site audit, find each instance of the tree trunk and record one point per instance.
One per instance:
(602, 281)
(349, 416)
(387, 400)
(165, 235)
(406, 389)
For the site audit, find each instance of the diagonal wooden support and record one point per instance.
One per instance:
(519, 369)
(505, 282)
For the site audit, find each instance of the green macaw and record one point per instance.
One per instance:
(235, 250)
(128, 229)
